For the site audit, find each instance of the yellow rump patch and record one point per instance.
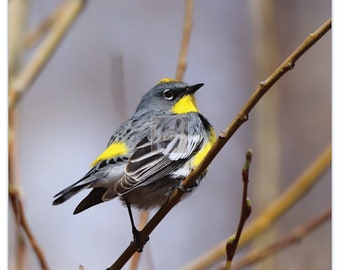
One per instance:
(114, 150)
(167, 80)
(186, 104)
(203, 152)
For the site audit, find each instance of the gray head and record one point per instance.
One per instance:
(170, 95)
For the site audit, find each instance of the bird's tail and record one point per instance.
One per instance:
(72, 190)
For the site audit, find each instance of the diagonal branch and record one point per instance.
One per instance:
(223, 138)
(19, 85)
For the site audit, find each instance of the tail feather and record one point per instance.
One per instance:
(67, 193)
(92, 199)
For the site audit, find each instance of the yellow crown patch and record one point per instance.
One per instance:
(167, 80)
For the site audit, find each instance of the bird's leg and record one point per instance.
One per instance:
(136, 233)
(189, 189)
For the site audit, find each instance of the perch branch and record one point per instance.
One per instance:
(223, 138)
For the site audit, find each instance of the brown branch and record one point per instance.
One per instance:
(21, 219)
(20, 84)
(17, 87)
(232, 242)
(292, 195)
(44, 26)
(14, 193)
(296, 235)
(182, 58)
(224, 137)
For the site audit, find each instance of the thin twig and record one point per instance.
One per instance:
(43, 27)
(284, 202)
(17, 87)
(296, 235)
(232, 242)
(224, 137)
(182, 58)
(20, 84)
(14, 193)
(20, 215)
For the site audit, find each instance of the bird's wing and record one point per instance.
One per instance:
(169, 144)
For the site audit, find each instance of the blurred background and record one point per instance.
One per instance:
(113, 54)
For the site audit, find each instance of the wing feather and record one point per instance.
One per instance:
(167, 147)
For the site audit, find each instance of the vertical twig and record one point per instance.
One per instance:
(245, 212)
(266, 116)
(294, 236)
(283, 203)
(182, 58)
(18, 85)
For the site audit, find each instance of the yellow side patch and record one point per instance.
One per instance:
(114, 150)
(205, 149)
(186, 104)
(167, 80)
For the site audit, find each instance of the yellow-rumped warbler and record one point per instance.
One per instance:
(151, 153)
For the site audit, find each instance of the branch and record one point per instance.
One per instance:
(223, 138)
(20, 84)
(296, 235)
(17, 87)
(21, 218)
(44, 26)
(291, 196)
(182, 58)
(245, 213)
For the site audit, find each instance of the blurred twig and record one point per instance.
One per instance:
(17, 23)
(296, 235)
(276, 209)
(182, 58)
(266, 132)
(21, 219)
(223, 138)
(232, 242)
(44, 26)
(19, 85)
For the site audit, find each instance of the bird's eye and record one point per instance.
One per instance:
(168, 94)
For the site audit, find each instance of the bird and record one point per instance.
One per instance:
(150, 154)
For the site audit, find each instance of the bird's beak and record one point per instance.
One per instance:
(193, 88)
